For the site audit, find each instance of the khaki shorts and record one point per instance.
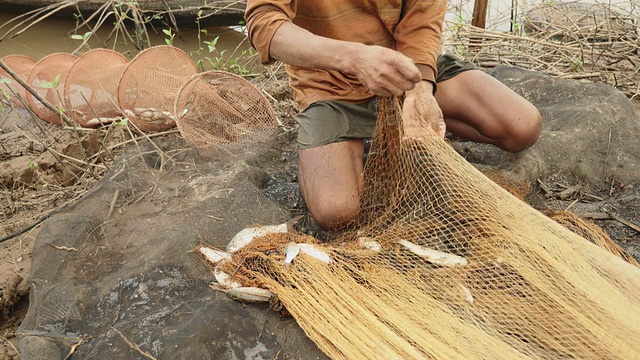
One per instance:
(327, 122)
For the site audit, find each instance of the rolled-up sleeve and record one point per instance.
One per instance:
(418, 34)
(263, 20)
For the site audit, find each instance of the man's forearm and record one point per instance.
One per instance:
(296, 46)
(382, 70)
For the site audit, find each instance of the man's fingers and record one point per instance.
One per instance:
(408, 69)
(440, 127)
(385, 87)
(394, 79)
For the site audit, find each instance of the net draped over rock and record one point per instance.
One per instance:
(47, 78)
(90, 88)
(21, 65)
(528, 288)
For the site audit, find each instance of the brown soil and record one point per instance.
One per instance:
(33, 183)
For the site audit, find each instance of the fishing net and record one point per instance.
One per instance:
(445, 264)
(221, 113)
(47, 79)
(21, 65)
(591, 232)
(149, 85)
(91, 86)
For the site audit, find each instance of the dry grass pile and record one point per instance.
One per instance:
(598, 42)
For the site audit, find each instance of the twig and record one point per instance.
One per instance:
(284, 339)
(73, 349)
(606, 156)
(65, 248)
(133, 346)
(624, 221)
(113, 203)
(10, 343)
(544, 187)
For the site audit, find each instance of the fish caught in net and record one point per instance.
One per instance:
(91, 86)
(219, 112)
(444, 264)
(149, 85)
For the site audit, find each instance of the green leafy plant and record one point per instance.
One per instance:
(51, 84)
(171, 35)
(122, 122)
(576, 63)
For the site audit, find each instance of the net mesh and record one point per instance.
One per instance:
(528, 288)
(21, 65)
(47, 78)
(219, 112)
(91, 85)
(592, 232)
(150, 83)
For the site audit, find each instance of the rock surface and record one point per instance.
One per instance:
(127, 277)
(589, 132)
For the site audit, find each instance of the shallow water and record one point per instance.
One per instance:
(54, 35)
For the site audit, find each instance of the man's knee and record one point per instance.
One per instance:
(332, 213)
(524, 132)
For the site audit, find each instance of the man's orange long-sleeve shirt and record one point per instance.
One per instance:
(370, 22)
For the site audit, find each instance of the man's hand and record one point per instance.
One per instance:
(421, 112)
(383, 71)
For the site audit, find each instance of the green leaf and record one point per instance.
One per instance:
(167, 32)
(5, 81)
(51, 84)
(76, 37)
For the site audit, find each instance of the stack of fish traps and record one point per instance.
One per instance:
(158, 89)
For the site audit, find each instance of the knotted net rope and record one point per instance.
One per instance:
(530, 288)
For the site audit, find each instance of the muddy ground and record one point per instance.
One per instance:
(34, 182)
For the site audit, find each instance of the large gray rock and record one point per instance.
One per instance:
(127, 277)
(589, 133)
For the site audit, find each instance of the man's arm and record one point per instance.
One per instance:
(383, 71)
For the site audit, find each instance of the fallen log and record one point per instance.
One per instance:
(185, 12)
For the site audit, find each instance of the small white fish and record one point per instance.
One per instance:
(434, 256)
(290, 252)
(315, 253)
(245, 236)
(101, 121)
(214, 256)
(369, 244)
(467, 293)
(249, 294)
(224, 279)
